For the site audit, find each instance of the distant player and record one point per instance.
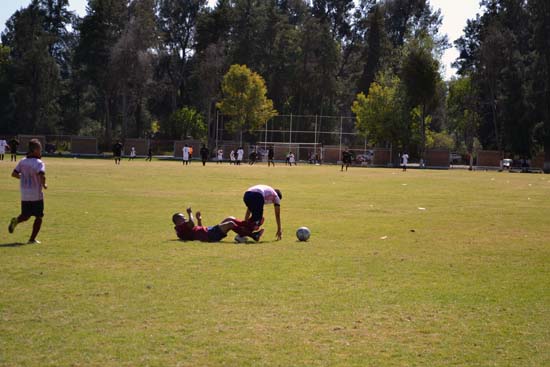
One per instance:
(204, 154)
(219, 156)
(232, 157)
(3, 146)
(186, 229)
(31, 173)
(132, 154)
(270, 156)
(190, 154)
(255, 198)
(291, 159)
(346, 159)
(149, 154)
(185, 154)
(404, 161)
(240, 155)
(117, 151)
(253, 158)
(14, 143)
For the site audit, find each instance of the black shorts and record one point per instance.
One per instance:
(215, 234)
(32, 208)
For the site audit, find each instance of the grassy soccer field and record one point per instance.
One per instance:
(423, 268)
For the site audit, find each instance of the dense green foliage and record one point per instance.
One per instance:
(505, 55)
(244, 99)
(127, 63)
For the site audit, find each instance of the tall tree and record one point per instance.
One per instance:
(420, 75)
(36, 86)
(131, 60)
(540, 17)
(245, 100)
(177, 22)
(99, 31)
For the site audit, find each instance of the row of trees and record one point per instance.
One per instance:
(503, 94)
(131, 67)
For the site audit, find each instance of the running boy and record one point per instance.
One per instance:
(31, 172)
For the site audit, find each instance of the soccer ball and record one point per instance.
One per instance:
(240, 239)
(303, 233)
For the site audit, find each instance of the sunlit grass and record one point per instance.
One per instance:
(425, 268)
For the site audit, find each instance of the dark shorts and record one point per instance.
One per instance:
(32, 208)
(254, 201)
(215, 234)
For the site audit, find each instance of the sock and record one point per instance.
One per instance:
(36, 228)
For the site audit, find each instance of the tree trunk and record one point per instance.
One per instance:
(108, 126)
(423, 127)
(124, 115)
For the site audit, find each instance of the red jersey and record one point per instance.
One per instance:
(197, 233)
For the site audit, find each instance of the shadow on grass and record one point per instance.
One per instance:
(223, 242)
(13, 244)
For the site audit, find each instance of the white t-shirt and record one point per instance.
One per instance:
(133, 152)
(220, 154)
(185, 153)
(3, 145)
(30, 183)
(269, 194)
(240, 154)
(405, 158)
(291, 158)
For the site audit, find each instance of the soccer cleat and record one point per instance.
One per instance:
(13, 223)
(256, 235)
(34, 242)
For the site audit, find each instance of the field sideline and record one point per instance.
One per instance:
(422, 268)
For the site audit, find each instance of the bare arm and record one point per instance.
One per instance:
(278, 218)
(247, 215)
(16, 174)
(43, 180)
(191, 221)
(199, 218)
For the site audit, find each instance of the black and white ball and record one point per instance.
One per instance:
(303, 233)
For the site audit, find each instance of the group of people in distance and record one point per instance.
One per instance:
(11, 146)
(254, 198)
(118, 148)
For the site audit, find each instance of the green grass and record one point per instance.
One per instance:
(465, 282)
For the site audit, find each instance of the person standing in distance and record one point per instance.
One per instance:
(3, 146)
(185, 155)
(14, 143)
(270, 156)
(240, 155)
(220, 156)
(117, 151)
(31, 173)
(255, 198)
(204, 154)
(346, 159)
(404, 161)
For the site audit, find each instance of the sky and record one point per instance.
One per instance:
(455, 13)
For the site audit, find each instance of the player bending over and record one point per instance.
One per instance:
(255, 198)
(188, 231)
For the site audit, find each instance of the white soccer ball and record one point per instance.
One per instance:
(303, 233)
(240, 239)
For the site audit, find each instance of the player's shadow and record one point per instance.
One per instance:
(13, 244)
